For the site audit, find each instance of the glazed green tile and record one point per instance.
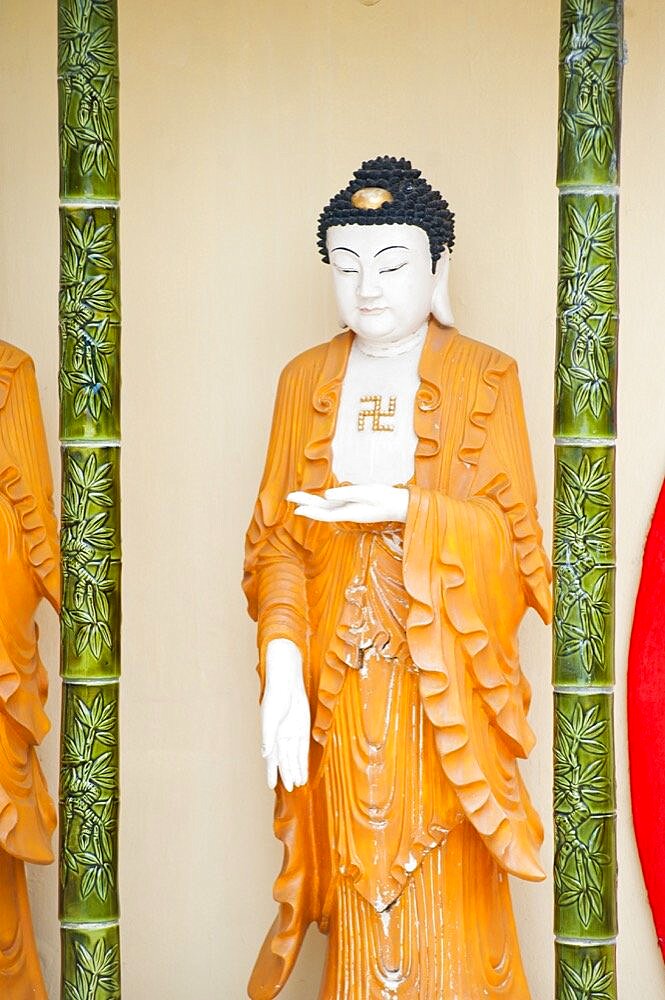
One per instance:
(590, 70)
(88, 99)
(91, 963)
(583, 628)
(587, 317)
(91, 563)
(89, 796)
(586, 973)
(585, 876)
(583, 755)
(584, 574)
(584, 507)
(89, 324)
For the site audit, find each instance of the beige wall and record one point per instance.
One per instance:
(239, 119)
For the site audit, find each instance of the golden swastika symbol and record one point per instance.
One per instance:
(375, 413)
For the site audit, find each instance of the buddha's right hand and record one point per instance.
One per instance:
(285, 717)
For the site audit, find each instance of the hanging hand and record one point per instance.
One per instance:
(285, 718)
(363, 504)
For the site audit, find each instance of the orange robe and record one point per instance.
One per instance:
(29, 571)
(400, 844)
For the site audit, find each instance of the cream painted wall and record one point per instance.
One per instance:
(239, 119)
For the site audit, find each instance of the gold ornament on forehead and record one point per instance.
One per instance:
(371, 198)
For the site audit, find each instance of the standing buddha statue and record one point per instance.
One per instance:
(393, 551)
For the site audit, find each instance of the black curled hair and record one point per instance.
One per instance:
(414, 203)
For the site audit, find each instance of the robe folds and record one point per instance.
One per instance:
(437, 603)
(29, 571)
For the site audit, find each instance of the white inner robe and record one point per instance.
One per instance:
(374, 439)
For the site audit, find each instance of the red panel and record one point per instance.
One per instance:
(646, 717)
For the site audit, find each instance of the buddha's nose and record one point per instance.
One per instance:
(368, 285)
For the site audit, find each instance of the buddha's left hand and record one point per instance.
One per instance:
(370, 504)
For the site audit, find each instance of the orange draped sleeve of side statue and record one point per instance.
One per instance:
(29, 571)
(401, 843)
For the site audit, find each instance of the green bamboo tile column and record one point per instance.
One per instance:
(89, 315)
(585, 869)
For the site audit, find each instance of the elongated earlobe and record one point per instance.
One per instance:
(441, 307)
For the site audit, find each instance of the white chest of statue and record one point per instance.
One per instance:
(375, 440)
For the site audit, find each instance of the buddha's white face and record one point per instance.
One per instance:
(383, 280)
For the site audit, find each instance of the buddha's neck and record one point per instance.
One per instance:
(393, 348)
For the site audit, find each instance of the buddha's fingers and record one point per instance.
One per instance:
(303, 759)
(271, 770)
(316, 513)
(294, 763)
(352, 494)
(269, 724)
(340, 512)
(310, 499)
(285, 763)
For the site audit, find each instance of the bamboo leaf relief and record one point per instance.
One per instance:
(582, 613)
(89, 100)
(580, 858)
(585, 869)
(580, 788)
(88, 790)
(584, 803)
(87, 543)
(589, 53)
(586, 304)
(88, 310)
(583, 555)
(97, 975)
(591, 981)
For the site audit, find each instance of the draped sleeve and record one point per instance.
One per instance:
(274, 584)
(274, 579)
(472, 565)
(25, 471)
(29, 570)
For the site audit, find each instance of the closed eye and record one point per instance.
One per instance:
(389, 270)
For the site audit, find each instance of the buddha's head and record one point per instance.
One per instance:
(388, 238)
